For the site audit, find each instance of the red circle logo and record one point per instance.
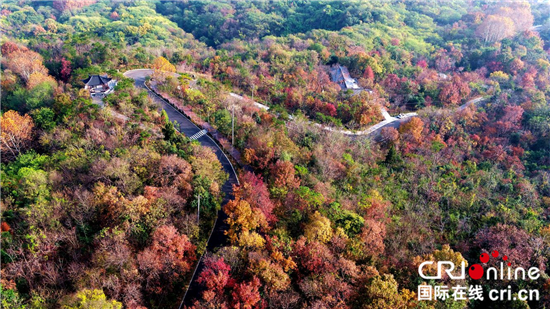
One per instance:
(484, 258)
(475, 271)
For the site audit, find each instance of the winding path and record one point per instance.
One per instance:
(217, 237)
(388, 120)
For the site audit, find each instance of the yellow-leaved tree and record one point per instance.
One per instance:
(162, 68)
(90, 299)
(445, 254)
(243, 220)
(318, 228)
(16, 133)
(413, 127)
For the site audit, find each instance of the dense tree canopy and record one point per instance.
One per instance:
(99, 201)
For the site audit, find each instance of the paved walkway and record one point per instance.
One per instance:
(217, 237)
(388, 120)
(219, 137)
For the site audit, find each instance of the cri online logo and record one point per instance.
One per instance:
(476, 271)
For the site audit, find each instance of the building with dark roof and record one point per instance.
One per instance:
(99, 84)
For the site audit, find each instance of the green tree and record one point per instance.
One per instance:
(222, 119)
(168, 130)
(393, 157)
(44, 118)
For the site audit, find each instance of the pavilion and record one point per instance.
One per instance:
(99, 84)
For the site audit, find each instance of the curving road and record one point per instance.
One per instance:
(388, 121)
(395, 122)
(217, 237)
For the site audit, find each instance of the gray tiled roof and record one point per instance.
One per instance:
(341, 76)
(95, 80)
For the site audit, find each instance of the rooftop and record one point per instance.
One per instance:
(341, 76)
(96, 80)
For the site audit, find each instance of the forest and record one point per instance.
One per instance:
(99, 201)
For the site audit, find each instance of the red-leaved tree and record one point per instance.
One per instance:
(166, 260)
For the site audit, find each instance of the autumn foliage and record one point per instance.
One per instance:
(70, 5)
(100, 196)
(16, 133)
(162, 68)
(413, 128)
(168, 257)
(25, 62)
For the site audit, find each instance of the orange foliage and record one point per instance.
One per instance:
(25, 63)
(283, 175)
(241, 219)
(175, 172)
(413, 127)
(520, 14)
(16, 133)
(37, 78)
(162, 68)
(5, 227)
